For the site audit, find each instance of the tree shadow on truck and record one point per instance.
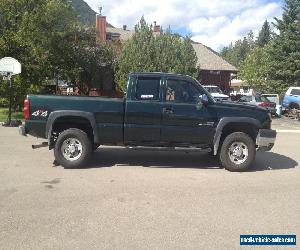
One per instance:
(116, 156)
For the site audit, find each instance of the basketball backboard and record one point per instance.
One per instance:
(9, 66)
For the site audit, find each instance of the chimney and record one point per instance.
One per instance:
(100, 28)
(124, 27)
(156, 28)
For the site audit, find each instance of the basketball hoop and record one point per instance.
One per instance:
(9, 67)
(6, 76)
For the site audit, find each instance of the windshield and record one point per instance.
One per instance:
(206, 92)
(213, 89)
(260, 98)
(272, 98)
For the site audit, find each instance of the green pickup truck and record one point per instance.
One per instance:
(160, 111)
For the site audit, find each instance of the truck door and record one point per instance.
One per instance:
(142, 123)
(185, 120)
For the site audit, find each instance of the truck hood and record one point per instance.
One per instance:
(233, 109)
(240, 106)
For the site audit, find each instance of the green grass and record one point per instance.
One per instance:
(15, 115)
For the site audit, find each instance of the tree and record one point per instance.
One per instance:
(36, 33)
(89, 60)
(254, 69)
(50, 42)
(285, 49)
(250, 39)
(236, 54)
(264, 35)
(147, 52)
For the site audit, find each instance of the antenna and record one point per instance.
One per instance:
(100, 10)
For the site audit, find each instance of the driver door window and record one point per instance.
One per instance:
(182, 92)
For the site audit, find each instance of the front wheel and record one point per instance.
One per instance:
(237, 152)
(73, 148)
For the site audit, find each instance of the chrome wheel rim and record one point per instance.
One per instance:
(238, 152)
(71, 149)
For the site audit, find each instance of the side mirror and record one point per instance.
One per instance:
(203, 99)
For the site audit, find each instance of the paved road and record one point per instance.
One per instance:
(285, 123)
(144, 200)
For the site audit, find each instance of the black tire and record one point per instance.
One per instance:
(239, 141)
(83, 155)
(294, 105)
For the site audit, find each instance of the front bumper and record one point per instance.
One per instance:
(265, 139)
(22, 130)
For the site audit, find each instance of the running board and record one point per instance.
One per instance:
(178, 149)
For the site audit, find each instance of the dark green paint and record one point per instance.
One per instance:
(134, 122)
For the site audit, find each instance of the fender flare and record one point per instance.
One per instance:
(226, 120)
(61, 113)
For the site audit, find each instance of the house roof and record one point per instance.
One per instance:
(124, 34)
(208, 59)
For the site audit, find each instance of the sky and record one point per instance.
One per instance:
(215, 23)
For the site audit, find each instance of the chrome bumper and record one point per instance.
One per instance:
(265, 139)
(22, 130)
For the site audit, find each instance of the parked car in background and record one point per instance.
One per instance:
(291, 99)
(275, 98)
(261, 101)
(217, 93)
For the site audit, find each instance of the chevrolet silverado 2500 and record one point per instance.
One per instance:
(160, 110)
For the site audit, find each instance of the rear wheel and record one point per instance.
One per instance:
(237, 152)
(73, 148)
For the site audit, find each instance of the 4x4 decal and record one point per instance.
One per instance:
(40, 112)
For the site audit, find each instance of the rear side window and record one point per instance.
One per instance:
(147, 88)
(295, 92)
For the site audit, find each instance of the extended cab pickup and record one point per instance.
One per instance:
(160, 110)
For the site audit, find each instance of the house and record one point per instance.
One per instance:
(214, 70)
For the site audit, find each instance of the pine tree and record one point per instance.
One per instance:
(264, 35)
(147, 52)
(285, 49)
(236, 54)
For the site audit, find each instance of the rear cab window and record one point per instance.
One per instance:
(147, 88)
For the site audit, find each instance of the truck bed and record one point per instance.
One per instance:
(108, 113)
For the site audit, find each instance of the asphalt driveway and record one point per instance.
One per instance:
(144, 200)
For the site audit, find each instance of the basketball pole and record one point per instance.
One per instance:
(10, 101)
(8, 68)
